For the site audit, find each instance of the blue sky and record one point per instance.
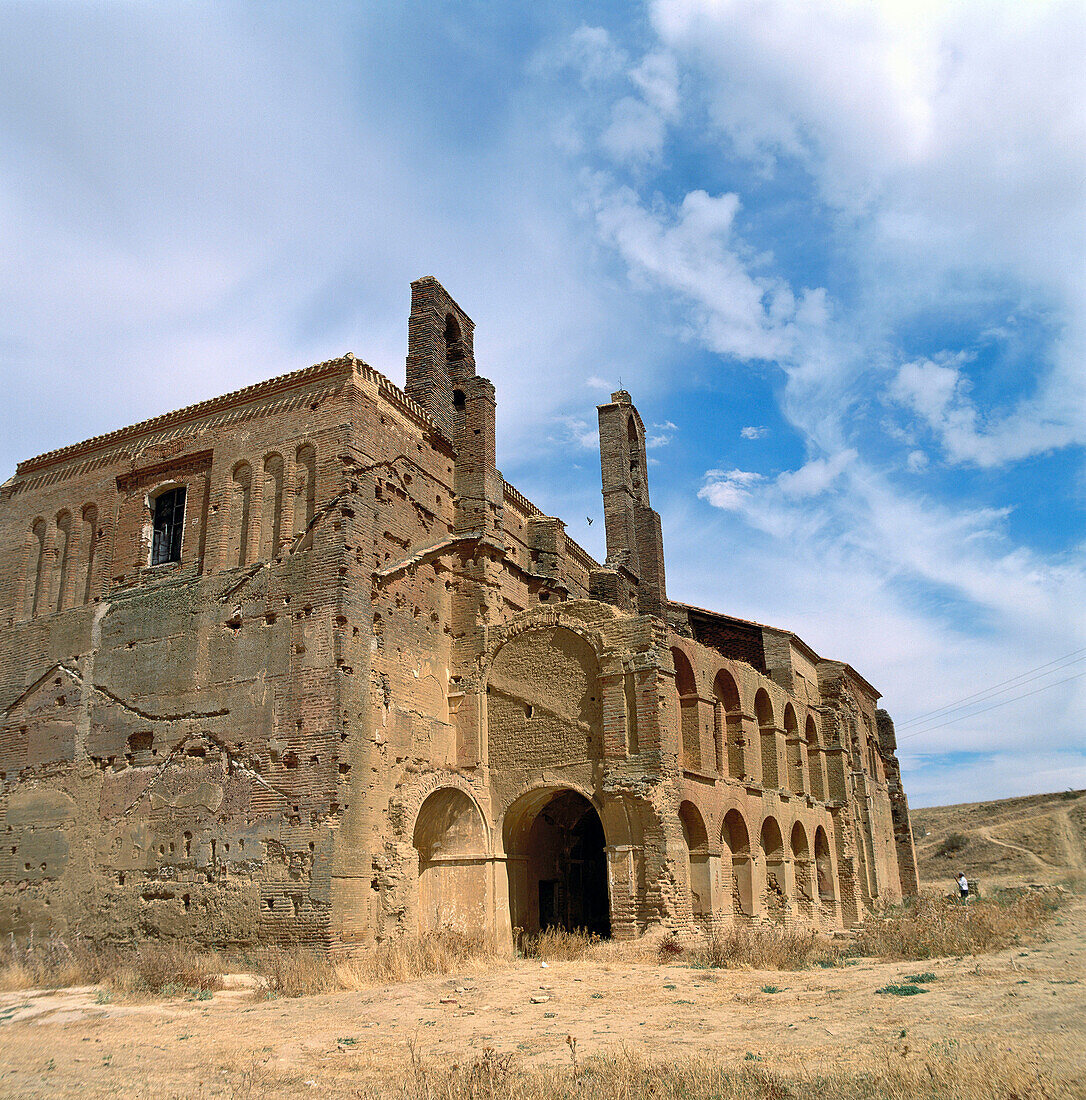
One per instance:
(834, 249)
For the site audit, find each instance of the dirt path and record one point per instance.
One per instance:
(986, 834)
(63, 1044)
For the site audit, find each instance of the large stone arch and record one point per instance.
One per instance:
(556, 855)
(543, 701)
(450, 837)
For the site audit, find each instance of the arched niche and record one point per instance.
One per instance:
(450, 838)
(776, 889)
(767, 726)
(696, 840)
(827, 893)
(687, 696)
(804, 869)
(729, 726)
(735, 840)
(793, 750)
(815, 763)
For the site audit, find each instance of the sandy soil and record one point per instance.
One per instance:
(64, 1043)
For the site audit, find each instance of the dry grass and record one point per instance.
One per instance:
(900, 1074)
(931, 926)
(300, 972)
(745, 946)
(151, 968)
(556, 944)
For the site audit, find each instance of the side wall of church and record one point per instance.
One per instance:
(171, 748)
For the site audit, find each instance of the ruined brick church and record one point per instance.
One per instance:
(298, 664)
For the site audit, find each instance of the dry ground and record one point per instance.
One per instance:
(1031, 1000)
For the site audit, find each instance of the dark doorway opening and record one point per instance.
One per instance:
(566, 869)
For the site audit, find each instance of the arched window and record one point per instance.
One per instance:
(687, 692)
(763, 712)
(272, 516)
(239, 514)
(87, 543)
(167, 525)
(305, 507)
(634, 440)
(35, 567)
(454, 344)
(64, 552)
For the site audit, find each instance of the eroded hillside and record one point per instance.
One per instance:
(1040, 838)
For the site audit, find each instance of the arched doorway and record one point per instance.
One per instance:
(554, 842)
(450, 839)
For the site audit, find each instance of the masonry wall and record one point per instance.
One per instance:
(343, 714)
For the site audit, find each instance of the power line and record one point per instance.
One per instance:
(994, 706)
(991, 691)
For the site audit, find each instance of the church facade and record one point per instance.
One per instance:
(297, 664)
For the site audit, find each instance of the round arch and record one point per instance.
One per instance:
(696, 839)
(827, 893)
(814, 760)
(735, 840)
(687, 691)
(450, 838)
(776, 891)
(793, 751)
(555, 854)
(767, 727)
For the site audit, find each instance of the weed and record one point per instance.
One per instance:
(951, 843)
(896, 989)
(920, 979)
(771, 989)
(931, 926)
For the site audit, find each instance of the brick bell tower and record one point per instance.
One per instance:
(634, 577)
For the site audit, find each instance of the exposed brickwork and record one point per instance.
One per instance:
(380, 691)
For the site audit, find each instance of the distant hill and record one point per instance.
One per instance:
(1040, 838)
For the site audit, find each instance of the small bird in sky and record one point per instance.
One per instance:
(589, 518)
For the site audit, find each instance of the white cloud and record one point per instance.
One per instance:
(941, 135)
(636, 134)
(728, 489)
(816, 476)
(596, 383)
(660, 440)
(667, 426)
(694, 251)
(753, 432)
(916, 462)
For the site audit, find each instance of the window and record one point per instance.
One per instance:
(169, 522)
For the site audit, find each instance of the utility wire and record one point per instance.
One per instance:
(1078, 655)
(994, 706)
